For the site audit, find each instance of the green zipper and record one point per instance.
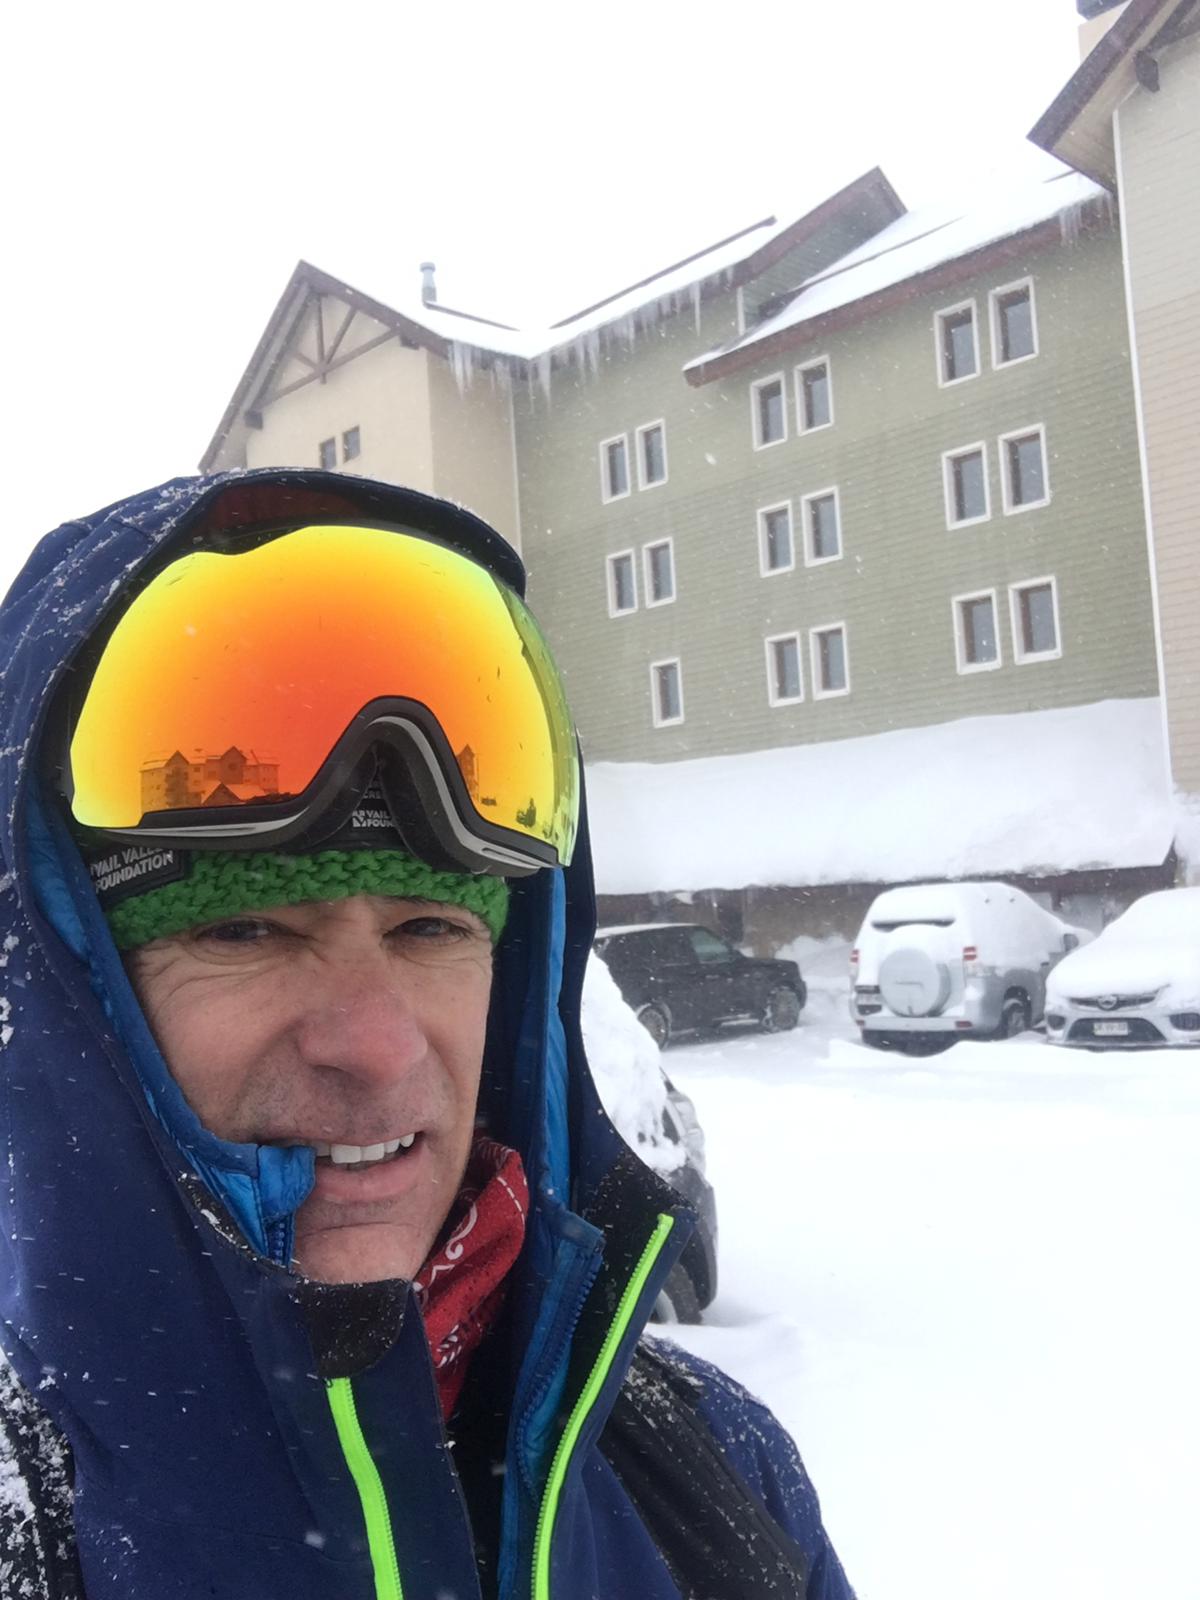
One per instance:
(370, 1489)
(591, 1390)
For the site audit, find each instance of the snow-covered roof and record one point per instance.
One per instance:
(916, 243)
(673, 285)
(1037, 792)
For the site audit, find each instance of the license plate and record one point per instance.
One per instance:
(1110, 1030)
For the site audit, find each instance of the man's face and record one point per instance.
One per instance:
(346, 1022)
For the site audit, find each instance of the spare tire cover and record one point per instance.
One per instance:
(913, 983)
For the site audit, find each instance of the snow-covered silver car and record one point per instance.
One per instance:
(936, 962)
(1137, 986)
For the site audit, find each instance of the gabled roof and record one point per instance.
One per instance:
(1077, 125)
(917, 251)
(431, 326)
(732, 261)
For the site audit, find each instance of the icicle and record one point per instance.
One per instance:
(462, 360)
(1073, 220)
(696, 305)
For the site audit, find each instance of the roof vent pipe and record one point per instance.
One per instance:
(428, 286)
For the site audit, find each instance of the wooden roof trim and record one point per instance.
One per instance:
(872, 185)
(1125, 36)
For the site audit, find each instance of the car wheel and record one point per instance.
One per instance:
(782, 1011)
(1014, 1019)
(656, 1023)
(677, 1299)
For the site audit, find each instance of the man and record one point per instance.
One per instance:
(324, 1272)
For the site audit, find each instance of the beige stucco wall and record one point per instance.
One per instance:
(474, 461)
(383, 392)
(1158, 146)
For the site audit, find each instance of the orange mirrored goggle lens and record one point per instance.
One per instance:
(231, 677)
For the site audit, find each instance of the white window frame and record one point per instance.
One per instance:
(939, 348)
(798, 384)
(998, 361)
(623, 440)
(1020, 655)
(332, 454)
(639, 435)
(761, 515)
(761, 383)
(811, 560)
(1011, 510)
(665, 722)
(647, 587)
(814, 659)
(774, 698)
(609, 560)
(948, 459)
(964, 666)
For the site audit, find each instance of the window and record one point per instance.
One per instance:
(652, 455)
(775, 552)
(666, 691)
(659, 561)
(614, 468)
(622, 584)
(814, 396)
(1023, 463)
(351, 444)
(769, 409)
(328, 453)
(822, 527)
(785, 686)
(977, 643)
(830, 669)
(965, 482)
(1014, 324)
(708, 947)
(957, 344)
(1035, 620)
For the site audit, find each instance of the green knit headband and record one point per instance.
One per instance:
(224, 884)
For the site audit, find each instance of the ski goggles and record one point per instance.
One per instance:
(248, 696)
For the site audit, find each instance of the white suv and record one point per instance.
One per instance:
(937, 962)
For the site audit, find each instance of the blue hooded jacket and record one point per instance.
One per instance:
(233, 1430)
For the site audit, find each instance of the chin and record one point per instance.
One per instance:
(327, 1258)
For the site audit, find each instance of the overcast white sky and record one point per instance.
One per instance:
(169, 164)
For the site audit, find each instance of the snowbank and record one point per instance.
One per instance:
(966, 1284)
(1039, 792)
(627, 1070)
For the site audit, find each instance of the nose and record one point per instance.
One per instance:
(358, 1016)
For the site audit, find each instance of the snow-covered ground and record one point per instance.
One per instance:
(968, 1284)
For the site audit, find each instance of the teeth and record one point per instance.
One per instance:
(350, 1155)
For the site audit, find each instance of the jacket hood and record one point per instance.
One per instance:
(73, 1035)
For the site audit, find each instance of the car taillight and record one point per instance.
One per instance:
(853, 962)
(971, 966)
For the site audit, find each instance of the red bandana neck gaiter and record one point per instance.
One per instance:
(460, 1289)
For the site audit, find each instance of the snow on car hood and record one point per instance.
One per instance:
(1154, 946)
